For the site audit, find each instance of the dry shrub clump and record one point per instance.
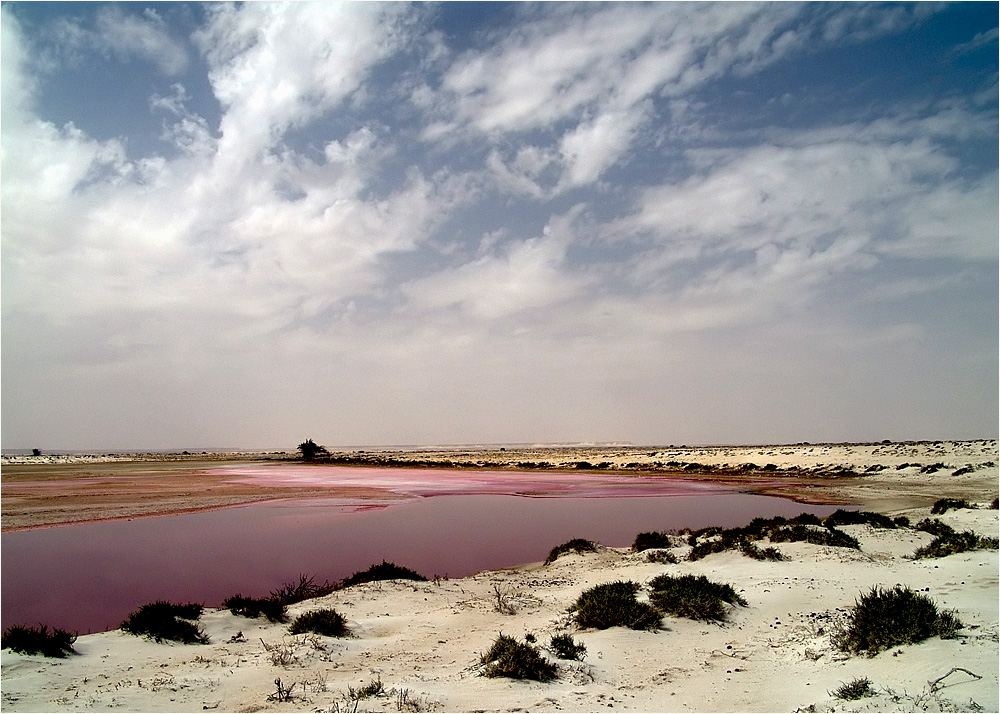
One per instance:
(38, 640)
(943, 505)
(651, 539)
(576, 545)
(507, 657)
(565, 647)
(253, 607)
(327, 622)
(614, 605)
(955, 542)
(162, 620)
(859, 688)
(885, 618)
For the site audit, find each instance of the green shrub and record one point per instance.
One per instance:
(859, 688)
(518, 660)
(828, 536)
(954, 542)
(253, 607)
(840, 517)
(651, 539)
(165, 621)
(751, 550)
(942, 505)
(663, 557)
(885, 618)
(806, 519)
(327, 622)
(382, 571)
(614, 605)
(566, 647)
(901, 521)
(693, 597)
(372, 689)
(576, 545)
(934, 527)
(38, 640)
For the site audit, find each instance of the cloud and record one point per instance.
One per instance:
(126, 36)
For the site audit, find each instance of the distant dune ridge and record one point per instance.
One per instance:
(418, 645)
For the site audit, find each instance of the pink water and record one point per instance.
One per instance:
(89, 577)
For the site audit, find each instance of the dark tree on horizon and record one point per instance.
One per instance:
(310, 449)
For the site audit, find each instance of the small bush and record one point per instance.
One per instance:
(827, 536)
(651, 539)
(943, 505)
(382, 571)
(566, 647)
(576, 545)
(614, 605)
(885, 618)
(840, 517)
(751, 550)
(38, 640)
(306, 588)
(700, 550)
(901, 521)
(859, 688)
(165, 621)
(995, 503)
(954, 542)
(934, 527)
(806, 519)
(273, 610)
(518, 660)
(372, 689)
(328, 623)
(693, 597)
(664, 557)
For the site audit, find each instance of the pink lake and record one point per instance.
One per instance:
(452, 523)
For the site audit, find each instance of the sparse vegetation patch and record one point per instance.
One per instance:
(955, 542)
(943, 505)
(252, 607)
(651, 539)
(859, 688)
(565, 647)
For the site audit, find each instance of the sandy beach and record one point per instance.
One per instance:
(422, 640)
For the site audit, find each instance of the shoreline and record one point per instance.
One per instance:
(424, 638)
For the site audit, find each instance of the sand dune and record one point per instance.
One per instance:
(422, 640)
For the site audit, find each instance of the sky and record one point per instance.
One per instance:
(399, 224)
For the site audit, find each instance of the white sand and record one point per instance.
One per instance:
(425, 638)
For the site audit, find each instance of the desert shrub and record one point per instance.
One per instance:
(614, 605)
(827, 536)
(995, 503)
(934, 527)
(372, 689)
(327, 622)
(751, 550)
(806, 519)
(651, 539)
(691, 596)
(566, 647)
(663, 557)
(38, 640)
(165, 621)
(901, 521)
(859, 688)
(507, 657)
(943, 505)
(954, 542)
(254, 607)
(382, 571)
(306, 588)
(840, 517)
(885, 618)
(576, 545)
(700, 550)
